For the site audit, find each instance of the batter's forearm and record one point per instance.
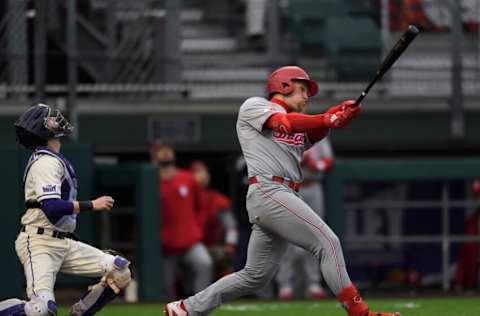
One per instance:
(296, 122)
(305, 122)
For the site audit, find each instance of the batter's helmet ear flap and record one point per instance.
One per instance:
(281, 80)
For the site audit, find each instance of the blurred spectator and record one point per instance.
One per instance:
(183, 216)
(316, 162)
(255, 12)
(467, 273)
(406, 12)
(220, 228)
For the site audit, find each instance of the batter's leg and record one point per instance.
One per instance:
(291, 218)
(288, 216)
(264, 252)
(313, 195)
(313, 277)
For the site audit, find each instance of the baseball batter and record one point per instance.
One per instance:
(273, 135)
(46, 243)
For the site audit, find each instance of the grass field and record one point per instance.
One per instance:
(447, 306)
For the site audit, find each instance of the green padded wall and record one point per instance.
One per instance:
(142, 180)
(390, 170)
(10, 195)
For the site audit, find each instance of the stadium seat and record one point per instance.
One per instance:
(359, 8)
(306, 19)
(352, 46)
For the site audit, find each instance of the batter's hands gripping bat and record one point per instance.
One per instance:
(392, 56)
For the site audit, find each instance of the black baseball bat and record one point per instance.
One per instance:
(392, 56)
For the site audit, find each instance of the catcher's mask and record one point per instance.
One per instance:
(40, 123)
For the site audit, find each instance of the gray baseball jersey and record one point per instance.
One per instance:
(273, 153)
(277, 213)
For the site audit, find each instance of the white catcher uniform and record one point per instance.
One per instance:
(45, 245)
(276, 211)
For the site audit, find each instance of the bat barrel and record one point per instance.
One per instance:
(402, 44)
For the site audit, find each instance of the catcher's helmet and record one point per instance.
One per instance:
(281, 80)
(40, 123)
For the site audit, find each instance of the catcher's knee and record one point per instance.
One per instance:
(40, 306)
(116, 269)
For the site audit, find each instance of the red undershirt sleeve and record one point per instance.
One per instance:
(295, 122)
(317, 134)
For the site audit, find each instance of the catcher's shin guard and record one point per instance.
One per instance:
(117, 276)
(94, 300)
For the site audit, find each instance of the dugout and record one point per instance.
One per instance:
(402, 214)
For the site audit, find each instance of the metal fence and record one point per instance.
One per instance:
(411, 234)
(404, 216)
(148, 48)
(91, 47)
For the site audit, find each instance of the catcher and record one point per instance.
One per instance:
(46, 243)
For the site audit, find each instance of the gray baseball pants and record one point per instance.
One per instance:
(313, 196)
(278, 216)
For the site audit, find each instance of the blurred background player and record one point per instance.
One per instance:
(46, 243)
(317, 161)
(220, 228)
(255, 12)
(183, 217)
(467, 272)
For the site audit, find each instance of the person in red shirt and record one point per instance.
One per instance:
(183, 217)
(468, 262)
(220, 228)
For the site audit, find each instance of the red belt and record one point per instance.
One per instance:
(291, 184)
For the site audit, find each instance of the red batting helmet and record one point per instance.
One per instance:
(281, 80)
